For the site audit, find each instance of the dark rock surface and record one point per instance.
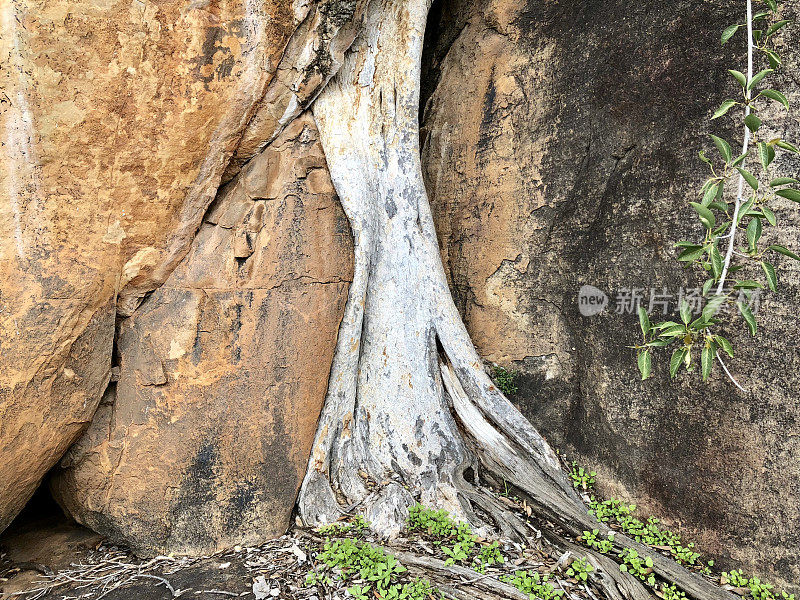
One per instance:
(560, 150)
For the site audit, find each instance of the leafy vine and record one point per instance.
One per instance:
(732, 233)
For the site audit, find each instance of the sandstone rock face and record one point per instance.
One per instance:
(119, 122)
(561, 142)
(203, 441)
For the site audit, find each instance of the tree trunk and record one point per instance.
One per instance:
(410, 409)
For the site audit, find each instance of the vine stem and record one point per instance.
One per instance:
(745, 146)
(728, 373)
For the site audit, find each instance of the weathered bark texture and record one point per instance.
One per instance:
(118, 122)
(409, 406)
(203, 441)
(560, 140)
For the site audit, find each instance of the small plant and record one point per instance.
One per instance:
(535, 585)
(314, 579)
(610, 510)
(731, 243)
(354, 527)
(670, 592)
(460, 551)
(579, 569)
(488, 556)
(759, 590)
(637, 566)
(505, 378)
(440, 529)
(621, 515)
(581, 478)
(372, 569)
(359, 592)
(436, 523)
(735, 578)
(646, 532)
(591, 539)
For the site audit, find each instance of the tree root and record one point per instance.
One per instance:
(409, 404)
(457, 577)
(615, 584)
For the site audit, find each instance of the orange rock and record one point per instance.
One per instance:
(118, 119)
(203, 442)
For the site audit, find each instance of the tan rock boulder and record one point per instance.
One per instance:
(118, 118)
(561, 142)
(203, 441)
(119, 121)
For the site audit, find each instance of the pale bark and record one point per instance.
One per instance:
(410, 409)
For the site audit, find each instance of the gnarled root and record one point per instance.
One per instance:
(409, 405)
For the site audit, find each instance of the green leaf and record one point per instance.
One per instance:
(782, 181)
(776, 27)
(754, 231)
(713, 305)
(706, 361)
(707, 285)
(744, 209)
(774, 58)
(748, 177)
(675, 362)
(769, 216)
(787, 146)
(691, 254)
(716, 261)
(729, 32)
(686, 312)
(748, 284)
(784, 251)
(758, 77)
(658, 343)
(739, 76)
(703, 157)
(644, 321)
(764, 155)
(724, 344)
(723, 147)
(772, 277)
(724, 108)
(673, 331)
(721, 206)
(712, 191)
(789, 194)
(752, 122)
(645, 361)
(777, 96)
(699, 324)
(773, 5)
(748, 316)
(739, 160)
(706, 216)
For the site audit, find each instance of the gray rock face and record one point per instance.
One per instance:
(560, 150)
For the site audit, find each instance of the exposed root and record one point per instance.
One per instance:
(409, 405)
(615, 584)
(436, 570)
(112, 571)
